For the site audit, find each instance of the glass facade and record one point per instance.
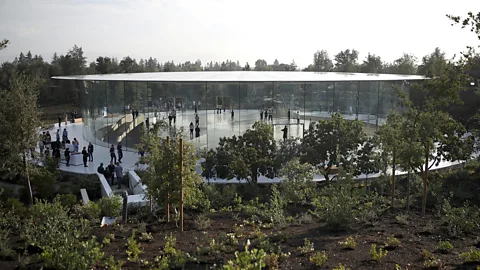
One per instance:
(109, 108)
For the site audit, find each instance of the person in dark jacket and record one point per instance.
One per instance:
(113, 157)
(100, 169)
(111, 170)
(85, 156)
(67, 156)
(285, 131)
(90, 152)
(120, 153)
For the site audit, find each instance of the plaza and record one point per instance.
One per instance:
(115, 107)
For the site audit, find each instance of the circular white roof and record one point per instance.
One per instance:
(241, 76)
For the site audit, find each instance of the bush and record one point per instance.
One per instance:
(90, 211)
(460, 220)
(349, 243)
(49, 227)
(111, 206)
(336, 205)
(67, 200)
(392, 242)
(445, 246)
(319, 258)
(377, 254)
(202, 222)
(471, 256)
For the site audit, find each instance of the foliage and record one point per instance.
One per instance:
(202, 222)
(337, 203)
(377, 254)
(306, 248)
(349, 243)
(297, 181)
(67, 200)
(133, 248)
(402, 219)
(247, 260)
(6, 250)
(445, 246)
(49, 227)
(275, 211)
(244, 157)
(90, 211)
(162, 176)
(459, 220)
(110, 206)
(319, 258)
(340, 266)
(19, 120)
(392, 242)
(470, 256)
(332, 142)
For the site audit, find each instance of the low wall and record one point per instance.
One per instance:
(132, 200)
(135, 183)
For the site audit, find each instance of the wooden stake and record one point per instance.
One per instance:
(168, 193)
(181, 184)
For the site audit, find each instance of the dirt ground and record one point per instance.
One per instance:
(420, 233)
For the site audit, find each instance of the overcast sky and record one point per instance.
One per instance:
(244, 30)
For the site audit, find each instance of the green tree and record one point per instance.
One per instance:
(297, 181)
(372, 64)
(391, 141)
(162, 176)
(244, 157)
(3, 44)
(332, 142)
(404, 65)
(433, 64)
(346, 61)
(321, 62)
(19, 123)
(368, 159)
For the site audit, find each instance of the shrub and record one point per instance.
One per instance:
(275, 211)
(67, 200)
(90, 211)
(402, 219)
(377, 254)
(349, 243)
(133, 248)
(6, 250)
(307, 247)
(470, 256)
(429, 260)
(445, 246)
(49, 227)
(111, 206)
(319, 258)
(392, 242)
(460, 220)
(340, 266)
(248, 259)
(202, 222)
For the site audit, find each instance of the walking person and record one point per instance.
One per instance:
(233, 114)
(191, 130)
(59, 121)
(120, 152)
(285, 131)
(113, 157)
(111, 173)
(85, 156)
(90, 152)
(119, 174)
(67, 156)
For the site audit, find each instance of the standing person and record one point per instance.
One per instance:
(76, 145)
(74, 115)
(136, 113)
(111, 174)
(90, 152)
(191, 130)
(59, 121)
(112, 154)
(197, 119)
(174, 114)
(147, 124)
(65, 135)
(85, 156)
(261, 114)
(156, 113)
(233, 114)
(133, 113)
(56, 156)
(285, 131)
(289, 114)
(120, 152)
(119, 174)
(58, 135)
(67, 156)
(170, 118)
(66, 118)
(270, 114)
(197, 132)
(265, 115)
(298, 117)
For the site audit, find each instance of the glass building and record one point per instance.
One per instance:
(228, 103)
